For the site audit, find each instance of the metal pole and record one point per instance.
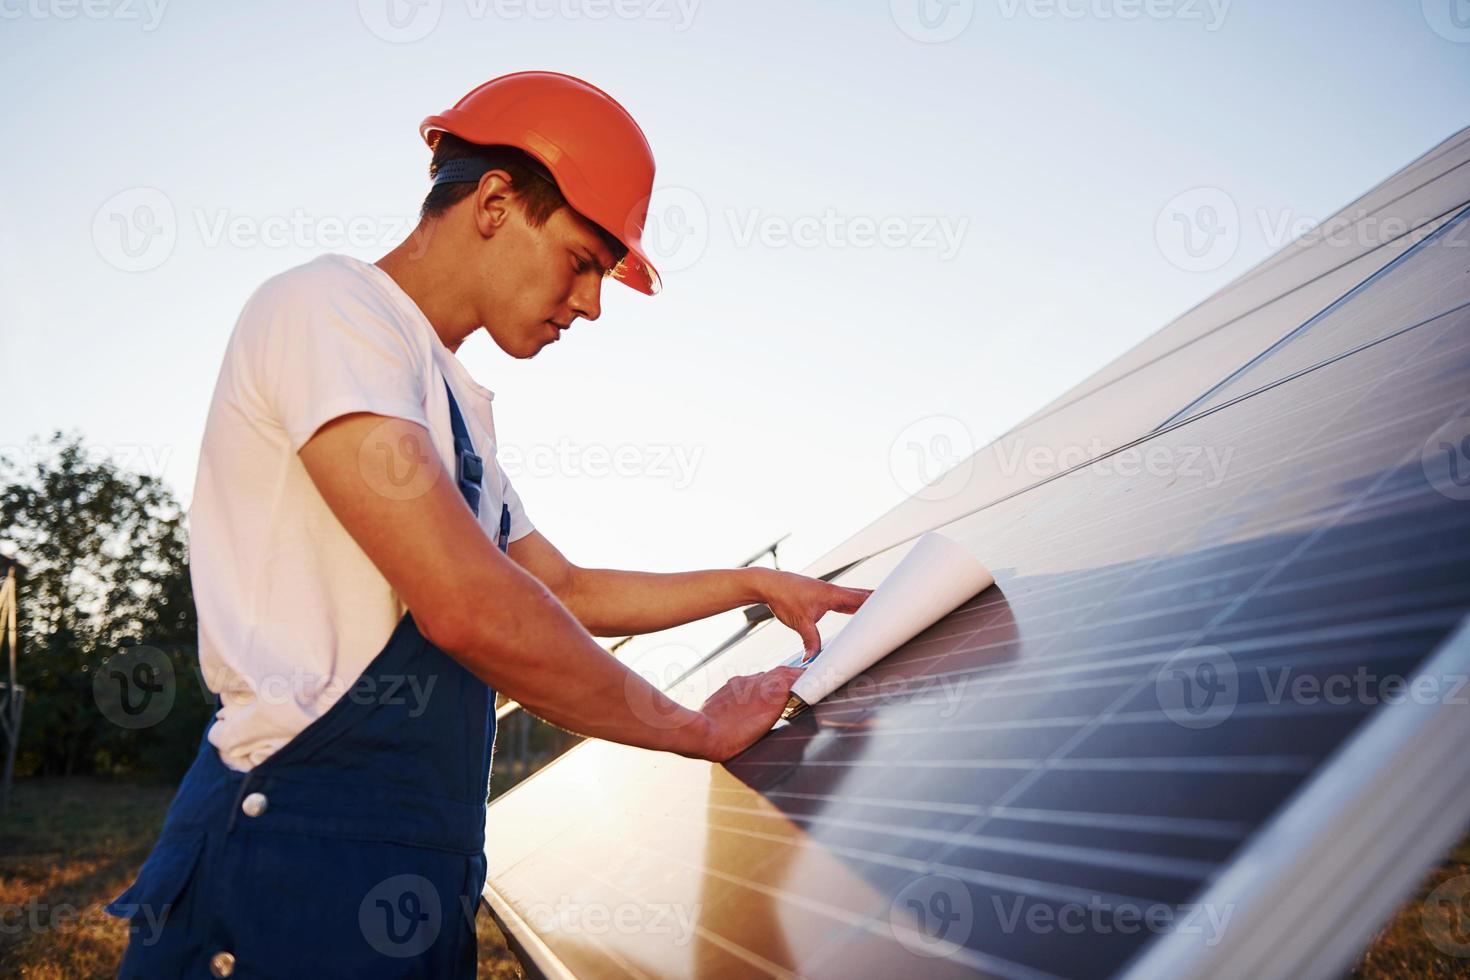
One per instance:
(14, 693)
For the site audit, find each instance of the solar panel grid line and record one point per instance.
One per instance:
(1044, 767)
(1334, 575)
(1159, 864)
(747, 955)
(1417, 749)
(1191, 872)
(1083, 390)
(1037, 888)
(1190, 827)
(997, 965)
(1143, 440)
(1448, 227)
(1194, 763)
(1412, 170)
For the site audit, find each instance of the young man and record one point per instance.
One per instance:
(367, 578)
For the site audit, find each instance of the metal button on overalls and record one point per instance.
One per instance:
(373, 860)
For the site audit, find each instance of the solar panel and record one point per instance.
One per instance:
(1192, 663)
(1177, 364)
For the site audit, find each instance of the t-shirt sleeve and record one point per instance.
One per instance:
(309, 351)
(520, 524)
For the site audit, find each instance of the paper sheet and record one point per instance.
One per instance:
(933, 579)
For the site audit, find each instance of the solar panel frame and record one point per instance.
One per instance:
(1370, 856)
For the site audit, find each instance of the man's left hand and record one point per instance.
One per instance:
(799, 601)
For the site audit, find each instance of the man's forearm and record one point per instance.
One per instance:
(611, 602)
(543, 658)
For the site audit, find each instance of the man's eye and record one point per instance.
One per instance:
(582, 265)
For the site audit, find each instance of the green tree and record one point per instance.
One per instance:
(106, 559)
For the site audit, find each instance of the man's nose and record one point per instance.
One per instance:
(587, 298)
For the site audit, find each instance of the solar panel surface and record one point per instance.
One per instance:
(1181, 632)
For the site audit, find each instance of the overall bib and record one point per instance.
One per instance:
(356, 849)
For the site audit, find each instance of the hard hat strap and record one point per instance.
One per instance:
(465, 170)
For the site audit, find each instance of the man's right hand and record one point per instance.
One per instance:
(744, 709)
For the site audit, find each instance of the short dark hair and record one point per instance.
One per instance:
(532, 183)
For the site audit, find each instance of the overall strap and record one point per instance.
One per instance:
(470, 468)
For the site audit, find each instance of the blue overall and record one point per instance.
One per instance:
(356, 849)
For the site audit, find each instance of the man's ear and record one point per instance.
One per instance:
(492, 202)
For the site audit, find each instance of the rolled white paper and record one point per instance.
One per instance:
(933, 579)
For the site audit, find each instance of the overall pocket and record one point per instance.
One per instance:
(161, 880)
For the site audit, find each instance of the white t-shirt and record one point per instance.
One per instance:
(291, 610)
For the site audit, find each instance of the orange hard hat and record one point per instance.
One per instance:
(595, 151)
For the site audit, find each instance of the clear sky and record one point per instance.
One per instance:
(868, 213)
